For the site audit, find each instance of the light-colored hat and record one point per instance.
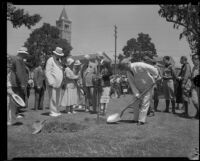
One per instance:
(58, 51)
(23, 50)
(70, 61)
(77, 62)
(87, 56)
(126, 60)
(100, 54)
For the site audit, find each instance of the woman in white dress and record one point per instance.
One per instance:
(70, 97)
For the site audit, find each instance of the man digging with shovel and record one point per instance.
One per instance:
(141, 77)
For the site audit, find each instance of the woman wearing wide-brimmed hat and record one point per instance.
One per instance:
(70, 97)
(54, 75)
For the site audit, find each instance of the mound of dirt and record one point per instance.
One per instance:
(59, 127)
(94, 120)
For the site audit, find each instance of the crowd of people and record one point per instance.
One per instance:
(70, 86)
(89, 84)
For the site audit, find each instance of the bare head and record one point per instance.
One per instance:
(125, 64)
(195, 59)
(183, 59)
(166, 60)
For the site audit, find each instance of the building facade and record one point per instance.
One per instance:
(64, 26)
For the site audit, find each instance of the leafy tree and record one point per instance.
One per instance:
(43, 41)
(120, 57)
(140, 47)
(187, 16)
(18, 18)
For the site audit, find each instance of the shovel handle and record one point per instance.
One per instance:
(133, 102)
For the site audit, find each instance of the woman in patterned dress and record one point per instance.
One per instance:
(70, 97)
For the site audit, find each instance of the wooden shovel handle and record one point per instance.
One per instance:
(134, 101)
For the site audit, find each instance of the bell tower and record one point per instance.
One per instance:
(64, 26)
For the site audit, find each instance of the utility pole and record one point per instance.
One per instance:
(115, 48)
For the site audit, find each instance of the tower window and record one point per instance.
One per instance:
(66, 27)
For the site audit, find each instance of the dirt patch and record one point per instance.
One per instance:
(59, 127)
(94, 120)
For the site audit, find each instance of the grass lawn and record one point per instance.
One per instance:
(78, 135)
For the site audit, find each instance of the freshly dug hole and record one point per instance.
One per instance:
(59, 127)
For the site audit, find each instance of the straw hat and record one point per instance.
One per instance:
(58, 51)
(77, 62)
(70, 61)
(87, 56)
(23, 50)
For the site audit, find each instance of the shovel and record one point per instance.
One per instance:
(117, 116)
(37, 126)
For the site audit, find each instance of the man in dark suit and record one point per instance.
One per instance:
(19, 77)
(39, 86)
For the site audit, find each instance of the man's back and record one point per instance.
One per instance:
(19, 74)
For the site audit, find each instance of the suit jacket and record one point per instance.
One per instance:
(54, 73)
(39, 77)
(19, 74)
(185, 73)
(142, 76)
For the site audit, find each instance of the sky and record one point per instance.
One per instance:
(93, 28)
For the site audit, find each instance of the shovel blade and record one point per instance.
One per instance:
(113, 118)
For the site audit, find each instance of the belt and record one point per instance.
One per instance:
(167, 78)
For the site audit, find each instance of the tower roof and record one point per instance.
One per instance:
(63, 14)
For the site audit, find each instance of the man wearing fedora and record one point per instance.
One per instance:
(54, 75)
(19, 77)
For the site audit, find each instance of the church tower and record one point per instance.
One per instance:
(64, 26)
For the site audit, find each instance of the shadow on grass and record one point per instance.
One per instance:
(183, 116)
(128, 121)
(17, 124)
(64, 111)
(45, 113)
(79, 109)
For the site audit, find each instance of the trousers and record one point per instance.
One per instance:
(140, 112)
(54, 99)
(39, 98)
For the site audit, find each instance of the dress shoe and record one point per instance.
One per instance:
(151, 114)
(140, 123)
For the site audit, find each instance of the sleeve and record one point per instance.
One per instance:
(95, 68)
(174, 72)
(69, 74)
(152, 70)
(187, 74)
(131, 83)
(35, 75)
(48, 71)
(9, 89)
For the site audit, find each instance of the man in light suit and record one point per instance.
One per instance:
(54, 75)
(140, 76)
